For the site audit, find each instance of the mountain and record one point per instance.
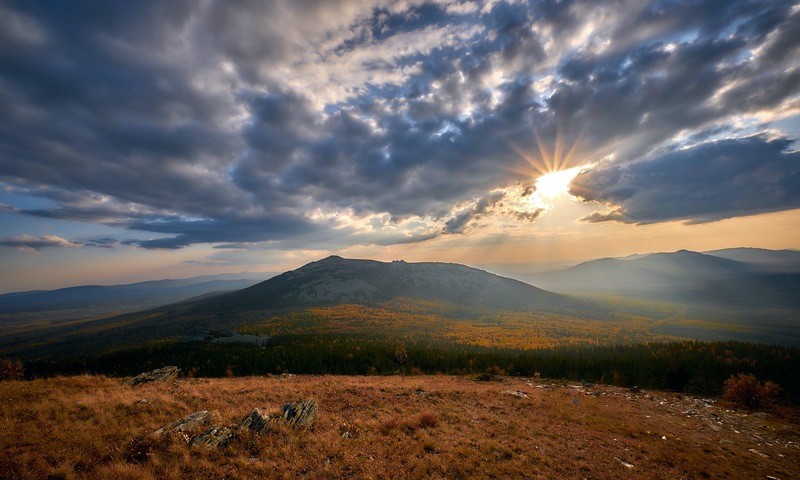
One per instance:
(135, 296)
(768, 261)
(336, 280)
(687, 277)
(445, 302)
(330, 296)
(649, 273)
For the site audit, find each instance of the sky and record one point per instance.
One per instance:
(152, 139)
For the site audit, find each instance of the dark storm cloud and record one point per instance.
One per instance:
(217, 231)
(711, 181)
(243, 122)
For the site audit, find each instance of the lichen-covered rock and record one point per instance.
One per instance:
(164, 374)
(214, 437)
(189, 423)
(256, 421)
(300, 414)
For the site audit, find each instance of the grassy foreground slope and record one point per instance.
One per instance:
(389, 427)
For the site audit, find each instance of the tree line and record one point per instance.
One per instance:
(692, 366)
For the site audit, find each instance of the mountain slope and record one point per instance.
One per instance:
(335, 280)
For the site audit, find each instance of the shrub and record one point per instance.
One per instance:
(746, 391)
(488, 377)
(427, 420)
(495, 370)
(11, 369)
(409, 425)
(139, 449)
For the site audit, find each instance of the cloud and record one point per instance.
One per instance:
(101, 242)
(331, 123)
(515, 202)
(28, 243)
(705, 182)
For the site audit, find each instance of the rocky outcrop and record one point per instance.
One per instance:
(295, 415)
(256, 422)
(187, 424)
(165, 374)
(214, 437)
(300, 414)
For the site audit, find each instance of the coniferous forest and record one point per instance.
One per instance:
(691, 367)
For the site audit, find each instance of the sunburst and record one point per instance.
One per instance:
(550, 169)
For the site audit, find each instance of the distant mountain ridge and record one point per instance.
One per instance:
(768, 261)
(752, 277)
(133, 296)
(336, 280)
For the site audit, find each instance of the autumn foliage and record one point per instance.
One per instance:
(746, 391)
(11, 369)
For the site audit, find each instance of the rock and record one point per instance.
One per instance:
(164, 374)
(348, 431)
(256, 421)
(300, 414)
(624, 463)
(760, 415)
(214, 437)
(516, 393)
(634, 389)
(760, 454)
(188, 423)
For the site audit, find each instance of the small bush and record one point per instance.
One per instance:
(409, 425)
(495, 370)
(389, 424)
(11, 369)
(139, 449)
(744, 390)
(427, 420)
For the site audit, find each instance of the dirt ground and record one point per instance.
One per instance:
(389, 427)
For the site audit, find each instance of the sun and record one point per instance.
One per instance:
(554, 184)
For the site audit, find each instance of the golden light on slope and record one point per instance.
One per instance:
(556, 183)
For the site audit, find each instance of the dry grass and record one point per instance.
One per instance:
(384, 427)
